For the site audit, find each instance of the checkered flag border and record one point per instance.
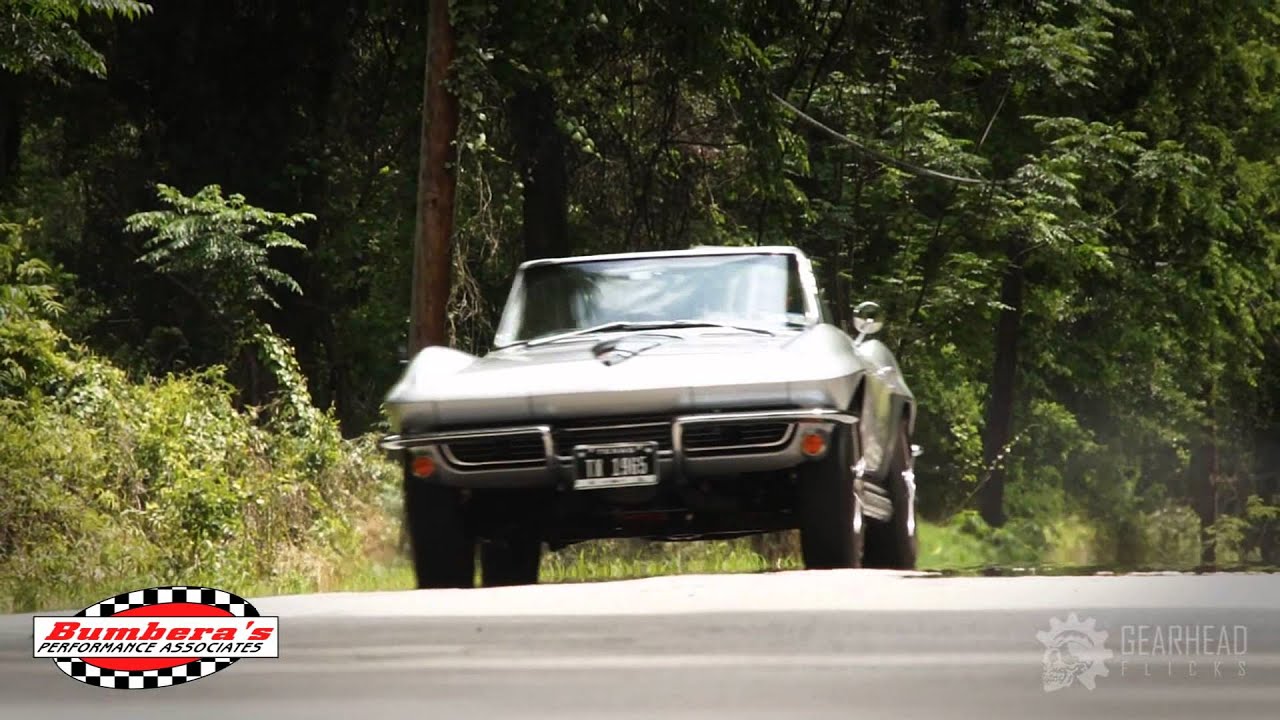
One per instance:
(163, 677)
(141, 679)
(222, 599)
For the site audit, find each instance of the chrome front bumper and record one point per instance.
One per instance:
(554, 469)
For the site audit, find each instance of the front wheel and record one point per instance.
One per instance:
(442, 544)
(894, 544)
(830, 509)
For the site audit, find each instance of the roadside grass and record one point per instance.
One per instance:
(593, 561)
(945, 547)
(956, 546)
(961, 544)
(378, 562)
(623, 559)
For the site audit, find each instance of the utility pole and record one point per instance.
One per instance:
(437, 186)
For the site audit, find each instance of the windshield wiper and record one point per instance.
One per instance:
(730, 326)
(649, 325)
(603, 327)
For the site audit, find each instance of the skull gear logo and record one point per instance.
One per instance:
(1073, 650)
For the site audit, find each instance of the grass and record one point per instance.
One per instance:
(956, 546)
(621, 559)
(585, 562)
(945, 547)
(942, 548)
(949, 547)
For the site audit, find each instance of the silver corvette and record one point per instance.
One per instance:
(680, 395)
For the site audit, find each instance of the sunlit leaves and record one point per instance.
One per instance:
(30, 346)
(1043, 50)
(40, 36)
(221, 243)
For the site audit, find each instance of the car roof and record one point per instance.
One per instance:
(693, 251)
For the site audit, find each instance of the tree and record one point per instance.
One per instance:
(540, 157)
(1090, 331)
(38, 37)
(216, 250)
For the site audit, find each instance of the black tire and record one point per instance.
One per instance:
(894, 544)
(510, 561)
(829, 509)
(442, 545)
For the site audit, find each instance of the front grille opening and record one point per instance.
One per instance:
(747, 436)
(514, 449)
(638, 430)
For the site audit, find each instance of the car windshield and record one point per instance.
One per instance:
(757, 290)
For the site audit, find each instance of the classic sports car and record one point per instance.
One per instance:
(674, 395)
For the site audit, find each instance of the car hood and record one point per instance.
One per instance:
(634, 373)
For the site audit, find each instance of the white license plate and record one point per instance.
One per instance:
(615, 465)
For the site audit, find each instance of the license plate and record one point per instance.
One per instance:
(616, 465)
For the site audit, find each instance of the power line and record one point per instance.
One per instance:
(880, 156)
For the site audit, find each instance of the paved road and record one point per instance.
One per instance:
(840, 644)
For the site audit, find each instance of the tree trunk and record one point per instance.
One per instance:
(1267, 442)
(10, 128)
(540, 156)
(1203, 472)
(437, 185)
(999, 421)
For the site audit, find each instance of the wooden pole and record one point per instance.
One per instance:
(437, 186)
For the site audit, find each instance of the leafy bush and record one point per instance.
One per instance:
(115, 484)
(1170, 538)
(29, 345)
(1251, 537)
(111, 483)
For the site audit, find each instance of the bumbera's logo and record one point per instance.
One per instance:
(156, 637)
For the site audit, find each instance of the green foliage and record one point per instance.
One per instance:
(165, 482)
(1253, 536)
(1131, 148)
(292, 403)
(111, 482)
(1170, 538)
(218, 250)
(39, 36)
(30, 346)
(223, 242)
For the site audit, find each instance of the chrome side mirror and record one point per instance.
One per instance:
(868, 318)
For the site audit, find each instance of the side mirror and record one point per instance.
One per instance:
(868, 318)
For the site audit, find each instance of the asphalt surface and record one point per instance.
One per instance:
(839, 644)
